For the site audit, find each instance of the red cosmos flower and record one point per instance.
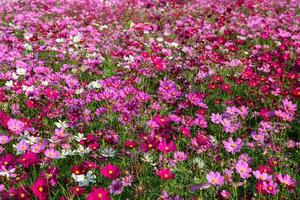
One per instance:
(2, 96)
(259, 188)
(77, 169)
(265, 168)
(30, 103)
(296, 92)
(265, 114)
(90, 165)
(7, 160)
(94, 146)
(28, 159)
(99, 194)
(110, 171)
(21, 194)
(165, 174)
(40, 189)
(166, 148)
(4, 119)
(273, 162)
(77, 190)
(226, 87)
(130, 144)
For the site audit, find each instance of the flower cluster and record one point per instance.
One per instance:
(149, 99)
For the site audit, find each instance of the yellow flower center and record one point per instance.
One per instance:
(100, 195)
(270, 188)
(110, 172)
(41, 189)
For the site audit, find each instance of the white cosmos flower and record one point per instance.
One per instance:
(84, 180)
(108, 152)
(79, 136)
(60, 40)
(9, 83)
(45, 83)
(15, 76)
(66, 152)
(94, 85)
(28, 47)
(77, 38)
(79, 91)
(61, 124)
(21, 71)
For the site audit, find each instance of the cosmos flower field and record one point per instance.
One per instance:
(149, 99)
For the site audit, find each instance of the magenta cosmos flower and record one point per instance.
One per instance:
(233, 146)
(40, 189)
(215, 178)
(165, 174)
(243, 169)
(166, 147)
(99, 194)
(270, 187)
(16, 126)
(110, 171)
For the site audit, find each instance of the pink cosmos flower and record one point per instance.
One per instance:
(258, 137)
(225, 194)
(262, 176)
(216, 118)
(52, 153)
(215, 178)
(243, 169)
(22, 146)
(289, 106)
(270, 187)
(286, 180)
(37, 148)
(16, 126)
(233, 146)
(4, 139)
(180, 156)
(110, 171)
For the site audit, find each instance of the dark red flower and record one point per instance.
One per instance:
(130, 144)
(259, 188)
(77, 190)
(77, 169)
